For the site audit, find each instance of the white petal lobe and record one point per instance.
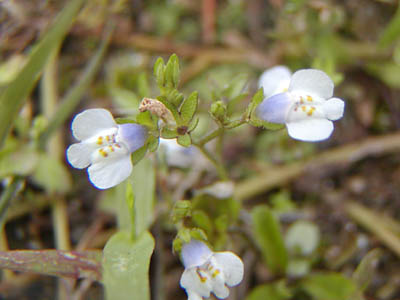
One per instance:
(232, 267)
(191, 282)
(78, 155)
(89, 122)
(275, 80)
(107, 173)
(310, 130)
(334, 109)
(312, 81)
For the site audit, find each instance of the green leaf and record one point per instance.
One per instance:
(16, 93)
(20, 162)
(172, 72)
(235, 87)
(130, 201)
(143, 183)
(153, 143)
(73, 264)
(365, 271)
(167, 133)
(139, 154)
(189, 107)
(267, 232)
(145, 119)
(143, 85)
(273, 291)
(392, 31)
(52, 174)
(329, 286)
(256, 100)
(184, 140)
(126, 266)
(202, 220)
(159, 72)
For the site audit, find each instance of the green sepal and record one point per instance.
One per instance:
(182, 209)
(125, 121)
(255, 101)
(254, 121)
(189, 107)
(193, 124)
(202, 220)
(218, 111)
(171, 108)
(184, 140)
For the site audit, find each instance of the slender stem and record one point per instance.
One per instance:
(220, 168)
(6, 198)
(220, 130)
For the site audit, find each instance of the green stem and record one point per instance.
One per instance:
(7, 196)
(217, 132)
(219, 166)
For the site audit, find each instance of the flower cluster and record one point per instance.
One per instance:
(207, 271)
(303, 101)
(104, 147)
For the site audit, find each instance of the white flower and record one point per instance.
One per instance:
(275, 80)
(206, 271)
(105, 146)
(177, 155)
(307, 108)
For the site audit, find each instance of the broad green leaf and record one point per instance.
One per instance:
(365, 271)
(130, 202)
(52, 174)
(126, 266)
(329, 286)
(70, 101)
(189, 107)
(74, 264)
(268, 235)
(16, 93)
(184, 140)
(202, 220)
(143, 183)
(273, 291)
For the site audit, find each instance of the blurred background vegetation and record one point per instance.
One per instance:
(337, 202)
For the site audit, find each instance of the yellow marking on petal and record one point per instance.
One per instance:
(301, 100)
(285, 89)
(202, 278)
(303, 108)
(309, 98)
(215, 274)
(311, 111)
(100, 140)
(117, 145)
(108, 138)
(103, 153)
(111, 148)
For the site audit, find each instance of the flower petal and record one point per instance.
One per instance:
(192, 283)
(107, 173)
(333, 108)
(275, 80)
(195, 254)
(132, 135)
(231, 265)
(312, 81)
(79, 155)
(89, 122)
(274, 109)
(310, 130)
(193, 296)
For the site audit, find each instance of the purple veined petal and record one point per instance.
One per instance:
(195, 254)
(310, 130)
(333, 108)
(275, 80)
(274, 109)
(315, 82)
(107, 173)
(132, 135)
(90, 122)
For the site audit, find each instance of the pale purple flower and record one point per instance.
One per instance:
(105, 147)
(209, 272)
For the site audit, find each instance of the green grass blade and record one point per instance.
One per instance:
(14, 96)
(73, 97)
